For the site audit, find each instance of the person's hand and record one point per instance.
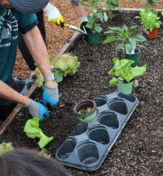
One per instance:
(37, 109)
(83, 23)
(50, 96)
(54, 15)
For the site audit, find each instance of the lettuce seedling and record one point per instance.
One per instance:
(5, 147)
(32, 130)
(82, 111)
(122, 68)
(67, 64)
(149, 20)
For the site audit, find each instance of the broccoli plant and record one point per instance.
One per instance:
(85, 110)
(33, 131)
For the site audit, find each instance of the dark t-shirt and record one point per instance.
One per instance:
(10, 21)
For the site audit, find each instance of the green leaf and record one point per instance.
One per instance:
(132, 29)
(120, 46)
(139, 38)
(133, 42)
(110, 39)
(129, 48)
(113, 81)
(98, 28)
(122, 68)
(44, 140)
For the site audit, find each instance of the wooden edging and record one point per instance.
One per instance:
(11, 116)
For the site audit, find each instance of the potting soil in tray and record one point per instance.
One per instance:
(89, 143)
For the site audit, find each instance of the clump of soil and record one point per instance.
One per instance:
(139, 148)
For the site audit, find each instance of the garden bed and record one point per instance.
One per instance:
(139, 147)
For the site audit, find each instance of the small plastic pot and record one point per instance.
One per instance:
(84, 105)
(58, 77)
(153, 34)
(125, 88)
(93, 38)
(133, 57)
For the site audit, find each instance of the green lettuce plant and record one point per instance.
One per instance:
(67, 64)
(122, 68)
(33, 131)
(5, 147)
(149, 5)
(149, 20)
(124, 34)
(93, 5)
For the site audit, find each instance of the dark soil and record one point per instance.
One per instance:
(139, 148)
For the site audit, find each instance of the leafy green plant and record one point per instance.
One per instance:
(123, 34)
(5, 147)
(122, 68)
(82, 111)
(149, 5)
(33, 131)
(112, 5)
(67, 64)
(149, 20)
(93, 5)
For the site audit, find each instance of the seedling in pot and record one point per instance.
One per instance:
(91, 24)
(149, 20)
(124, 34)
(122, 68)
(82, 111)
(67, 64)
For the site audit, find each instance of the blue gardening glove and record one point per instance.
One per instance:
(37, 109)
(50, 96)
(54, 15)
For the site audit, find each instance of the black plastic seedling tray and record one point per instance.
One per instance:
(89, 143)
(24, 85)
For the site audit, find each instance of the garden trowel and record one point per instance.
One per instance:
(76, 28)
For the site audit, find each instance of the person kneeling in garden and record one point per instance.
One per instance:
(12, 20)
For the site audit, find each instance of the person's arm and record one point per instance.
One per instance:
(79, 10)
(38, 50)
(8, 93)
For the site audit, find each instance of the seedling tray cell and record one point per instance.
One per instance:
(90, 142)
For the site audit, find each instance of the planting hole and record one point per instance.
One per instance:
(87, 153)
(99, 134)
(66, 149)
(100, 102)
(81, 128)
(118, 106)
(109, 119)
(127, 97)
